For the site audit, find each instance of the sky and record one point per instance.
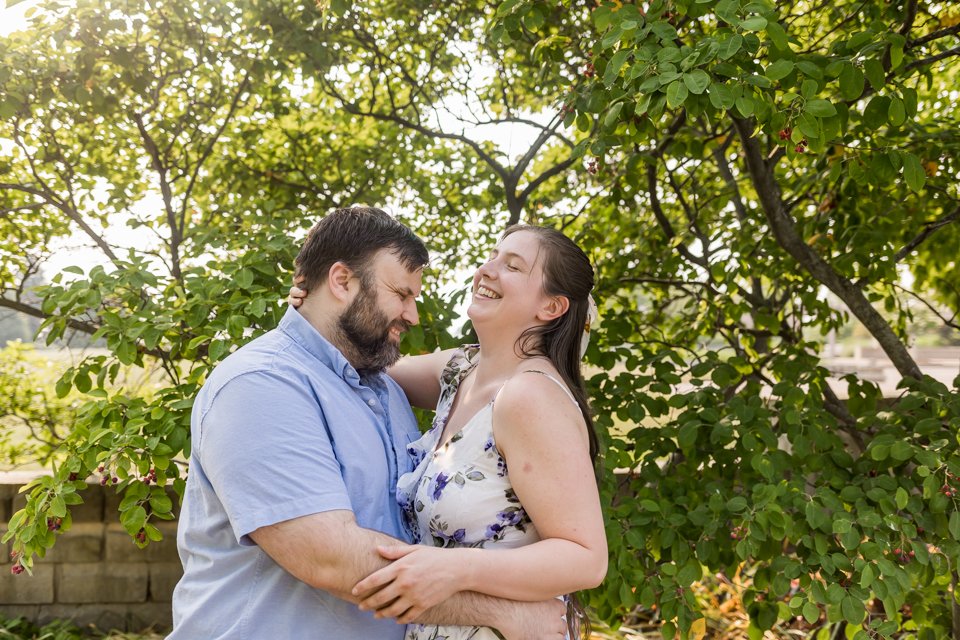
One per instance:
(512, 140)
(12, 18)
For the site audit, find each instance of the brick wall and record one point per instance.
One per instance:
(95, 574)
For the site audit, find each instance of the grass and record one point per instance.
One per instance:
(23, 629)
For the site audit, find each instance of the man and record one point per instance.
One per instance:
(297, 443)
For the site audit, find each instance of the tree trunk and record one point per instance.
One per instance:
(787, 236)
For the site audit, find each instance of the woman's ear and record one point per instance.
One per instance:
(339, 280)
(555, 307)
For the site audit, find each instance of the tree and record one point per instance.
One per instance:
(760, 154)
(724, 163)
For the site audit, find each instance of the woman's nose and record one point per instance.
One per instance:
(487, 270)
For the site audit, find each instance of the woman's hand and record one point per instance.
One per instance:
(419, 578)
(296, 295)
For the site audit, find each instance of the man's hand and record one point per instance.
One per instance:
(536, 621)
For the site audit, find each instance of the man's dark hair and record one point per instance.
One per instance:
(352, 236)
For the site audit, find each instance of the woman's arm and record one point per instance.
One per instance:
(419, 377)
(541, 434)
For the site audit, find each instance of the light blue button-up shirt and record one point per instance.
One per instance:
(283, 428)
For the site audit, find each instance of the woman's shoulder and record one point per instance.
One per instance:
(537, 386)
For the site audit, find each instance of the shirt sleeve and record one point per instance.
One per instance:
(266, 452)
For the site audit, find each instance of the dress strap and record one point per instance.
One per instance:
(559, 383)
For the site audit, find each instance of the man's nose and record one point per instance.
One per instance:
(410, 313)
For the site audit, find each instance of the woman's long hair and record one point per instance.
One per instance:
(566, 272)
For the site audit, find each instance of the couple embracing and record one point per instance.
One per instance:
(315, 509)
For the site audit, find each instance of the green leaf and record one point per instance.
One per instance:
(721, 96)
(913, 172)
(613, 116)
(811, 612)
(668, 631)
(737, 504)
(820, 108)
(744, 105)
(613, 67)
(954, 525)
(897, 114)
(808, 125)
(778, 36)
(650, 505)
(696, 81)
(779, 69)
(58, 507)
(875, 114)
(756, 23)
(851, 82)
(664, 30)
(874, 72)
(676, 94)
(867, 576)
(852, 609)
(730, 46)
(901, 498)
(63, 386)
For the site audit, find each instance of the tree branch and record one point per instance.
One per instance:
(785, 232)
(166, 193)
(936, 35)
(73, 323)
(928, 230)
(209, 149)
(67, 210)
(949, 53)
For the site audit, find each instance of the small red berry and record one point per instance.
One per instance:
(103, 481)
(799, 148)
(785, 133)
(912, 554)
(100, 469)
(17, 569)
(116, 479)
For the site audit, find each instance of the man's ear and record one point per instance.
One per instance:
(340, 281)
(555, 307)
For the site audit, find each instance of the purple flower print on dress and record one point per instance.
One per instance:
(510, 517)
(438, 485)
(457, 536)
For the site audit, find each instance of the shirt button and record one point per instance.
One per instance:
(371, 402)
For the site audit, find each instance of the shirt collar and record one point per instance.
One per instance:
(303, 333)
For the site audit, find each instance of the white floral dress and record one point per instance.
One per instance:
(460, 494)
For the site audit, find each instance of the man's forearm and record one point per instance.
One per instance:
(329, 551)
(468, 608)
(514, 620)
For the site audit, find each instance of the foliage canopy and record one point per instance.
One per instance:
(725, 163)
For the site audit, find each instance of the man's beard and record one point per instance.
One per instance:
(365, 333)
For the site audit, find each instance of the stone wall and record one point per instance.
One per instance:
(95, 574)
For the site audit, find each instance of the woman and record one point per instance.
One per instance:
(503, 499)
